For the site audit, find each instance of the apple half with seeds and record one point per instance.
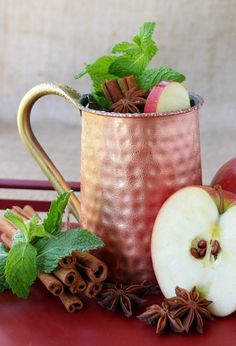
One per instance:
(167, 97)
(194, 244)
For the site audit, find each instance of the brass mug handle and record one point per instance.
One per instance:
(32, 144)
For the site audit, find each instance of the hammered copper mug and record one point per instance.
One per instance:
(130, 164)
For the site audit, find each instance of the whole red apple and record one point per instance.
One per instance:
(226, 176)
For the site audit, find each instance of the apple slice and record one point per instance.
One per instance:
(226, 176)
(167, 97)
(194, 244)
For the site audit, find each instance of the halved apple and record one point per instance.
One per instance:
(167, 97)
(194, 244)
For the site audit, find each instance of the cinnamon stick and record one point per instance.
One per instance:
(7, 227)
(29, 211)
(52, 284)
(68, 262)
(128, 83)
(88, 264)
(94, 268)
(79, 285)
(93, 288)
(71, 302)
(112, 90)
(6, 240)
(8, 231)
(20, 212)
(67, 276)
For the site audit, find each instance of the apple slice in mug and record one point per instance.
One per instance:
(167, 97)
(194, 244)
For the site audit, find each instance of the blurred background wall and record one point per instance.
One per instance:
(42, 40)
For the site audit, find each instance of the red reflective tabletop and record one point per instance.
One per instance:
(42, 320)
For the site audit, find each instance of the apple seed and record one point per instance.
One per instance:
(194, 252)
(202, 244)
(202, 252)
(215, 248)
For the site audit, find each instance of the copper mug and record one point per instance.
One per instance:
(130, 164)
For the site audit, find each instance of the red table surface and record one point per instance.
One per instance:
(41, 320)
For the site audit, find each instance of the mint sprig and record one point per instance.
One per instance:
(26, 231)
(129, 58)
(136, 55)
(53, 221)
(39, 246)
(50, 252)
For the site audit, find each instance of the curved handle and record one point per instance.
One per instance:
(32, 144)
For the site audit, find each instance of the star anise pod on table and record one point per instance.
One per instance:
(132, 102)
(163, 317)
(190, 308)
(122, 297)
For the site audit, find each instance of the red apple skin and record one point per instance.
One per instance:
(226, 176)
(153, 97)
(216, 193)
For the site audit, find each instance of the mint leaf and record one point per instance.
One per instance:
(99, 72)
(151, 77)
(51, 251)
(17, 221)
(145, 32)
(3, 284)
(35, 227)
(20, 270)
(3, 258)
(124, 47)
(53, 221)
(18, 237)
(136, 55)
(101, 100)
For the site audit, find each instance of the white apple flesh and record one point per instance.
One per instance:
(167, 97)
(188, 216)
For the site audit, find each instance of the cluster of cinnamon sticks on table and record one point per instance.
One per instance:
(76, 275)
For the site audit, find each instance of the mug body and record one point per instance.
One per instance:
(131, 163)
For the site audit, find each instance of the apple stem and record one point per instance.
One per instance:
(219, 191)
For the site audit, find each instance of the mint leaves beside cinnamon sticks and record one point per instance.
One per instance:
(37, 246)
(129, 58)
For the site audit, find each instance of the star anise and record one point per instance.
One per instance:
(190, 308)
(119, 296)
(132, 102)
(150, 288)
(163, 316)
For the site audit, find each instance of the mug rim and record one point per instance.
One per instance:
(197, 99)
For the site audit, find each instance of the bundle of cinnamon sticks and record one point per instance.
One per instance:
(76, 275)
